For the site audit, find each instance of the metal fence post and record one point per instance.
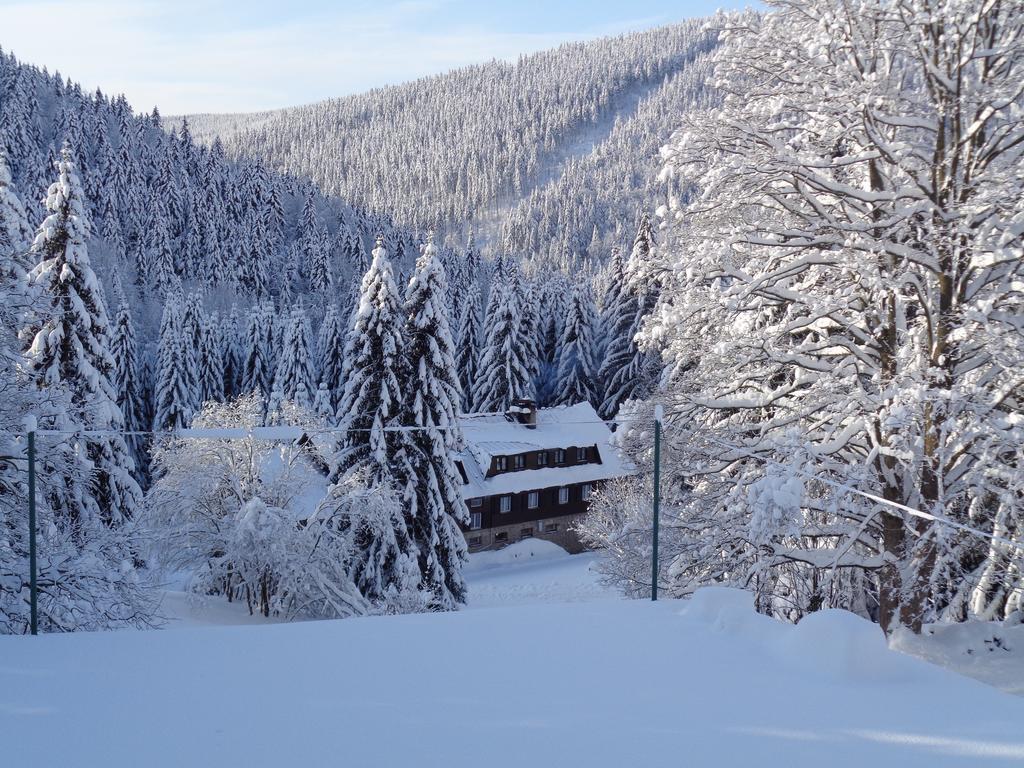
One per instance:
(30, 425)
(659, 414)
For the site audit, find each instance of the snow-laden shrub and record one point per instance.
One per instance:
(242, 518)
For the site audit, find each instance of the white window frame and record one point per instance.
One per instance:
(563, 494)
(504, 504)
(542, 458)
(533, 500)
(476, 521)
(476, 503)
(585, 491)
(501, 463)
(519, 461)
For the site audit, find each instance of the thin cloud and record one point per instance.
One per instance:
(194, 57)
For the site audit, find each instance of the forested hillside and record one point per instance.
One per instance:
(566, 138)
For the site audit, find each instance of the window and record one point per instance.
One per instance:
(559, 456)
(503, 536)
(476, 503)
(585, 491)
(505, 504)
(563, 495)
(542, 458)
(526, 533)
(474, 541)
(533, 500)
(581, 455)
(501, 463)
(549, 527)
(519, 461)
(476, 521)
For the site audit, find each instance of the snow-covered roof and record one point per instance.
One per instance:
(492, 434)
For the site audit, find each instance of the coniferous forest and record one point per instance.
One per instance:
(798, 231)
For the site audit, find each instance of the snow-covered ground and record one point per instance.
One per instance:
(546, 667)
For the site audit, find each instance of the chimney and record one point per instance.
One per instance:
(523, 411)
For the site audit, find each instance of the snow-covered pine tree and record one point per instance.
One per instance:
(172, 393)
(529, 327)
(628, 372)
(503, 371)
(257, 365)
(193, 321)
(160, 255)
(331, 348)
(231, 353)
(614, 280)
(321, 278)
(322, 405)
(15, 234)
(432, 403)
(469, 333)
(70, 347)
(128, 388)
(210, 361)
(371, 402)
(295, 378)
(576, 360)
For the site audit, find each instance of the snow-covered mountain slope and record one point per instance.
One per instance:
(606, 683)
(566, 139)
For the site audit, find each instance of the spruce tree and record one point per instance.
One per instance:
(331, 348)
(231, 354)
(628, 372)
(173, 395)
(371, 402)
(433, 402)
(576, 360)
(70, 347)
(15, 234)
(210, 360)
(295, 378)
(160, 254)
(322, 405)
(503, 373)
(468, 349)
(257, 365)
(321, 279)
(129, 388)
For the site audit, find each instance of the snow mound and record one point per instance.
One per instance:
(840, 645)
(989, 651)
(528, 550)
(725, 609)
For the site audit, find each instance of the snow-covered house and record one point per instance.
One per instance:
(530, 472)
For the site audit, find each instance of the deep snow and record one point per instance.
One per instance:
(611, 682)
(545, 667)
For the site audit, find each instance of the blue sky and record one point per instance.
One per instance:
(193, 56)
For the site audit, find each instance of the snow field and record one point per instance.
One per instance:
(604, 683)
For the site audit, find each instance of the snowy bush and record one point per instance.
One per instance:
(241, 517)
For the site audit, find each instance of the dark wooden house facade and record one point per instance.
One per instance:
(530, 472)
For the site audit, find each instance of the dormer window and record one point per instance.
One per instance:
(542, 458)
(559, 456)
(501, 463)
(518, 461)
(581, 455)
